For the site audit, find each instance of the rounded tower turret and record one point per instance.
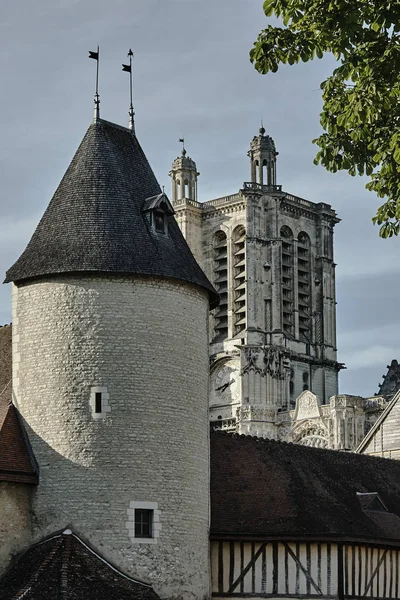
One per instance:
(184, 176)
(262, 156)
(110, 368)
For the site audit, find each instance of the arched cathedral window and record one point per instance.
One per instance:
(287, 281)
(239, 280)
(304, 285)
(221, 285)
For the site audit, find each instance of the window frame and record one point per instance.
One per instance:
(141, 523)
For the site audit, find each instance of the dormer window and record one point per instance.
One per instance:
(371, 501)
(158, 208)
(159, 221)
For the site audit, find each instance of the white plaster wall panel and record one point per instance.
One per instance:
(146, 341)
(274, 578)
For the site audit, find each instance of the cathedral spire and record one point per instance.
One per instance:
(96, 57)
(184, 176)
(262, 154)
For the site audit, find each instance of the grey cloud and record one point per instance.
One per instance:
(192, 76)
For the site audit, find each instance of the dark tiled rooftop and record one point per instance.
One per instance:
(95, 222)
(264, 488)
(63, 567)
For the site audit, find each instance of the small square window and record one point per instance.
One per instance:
(159, 222)
(143, 523)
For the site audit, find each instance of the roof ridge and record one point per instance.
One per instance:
(5, 388)
(271, 442)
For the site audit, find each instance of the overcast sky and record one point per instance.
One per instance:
(193, 78)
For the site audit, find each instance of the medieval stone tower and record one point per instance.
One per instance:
(269, 254)
(110, 355)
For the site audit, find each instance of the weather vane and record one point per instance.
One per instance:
(182, 140)
(96, 57)
(128, 68)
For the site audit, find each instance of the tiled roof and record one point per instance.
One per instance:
(269, 489)
(64, 567)
(95, 222)
(16, 460)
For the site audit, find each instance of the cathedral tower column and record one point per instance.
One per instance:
(188, 212)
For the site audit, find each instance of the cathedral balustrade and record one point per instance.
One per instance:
(224, 424)
(252, 185)
(185, 202)
(299, 200)
(223, 200)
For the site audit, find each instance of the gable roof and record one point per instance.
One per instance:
(267, 490)
(16, 461)
(394, 403)
(95, 223)
(64, 566)
(16, 458)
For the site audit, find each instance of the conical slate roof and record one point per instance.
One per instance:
(95, 222)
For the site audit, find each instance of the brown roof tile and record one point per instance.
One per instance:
(16, 461)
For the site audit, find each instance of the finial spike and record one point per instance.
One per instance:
(96, 57)
(128, 68)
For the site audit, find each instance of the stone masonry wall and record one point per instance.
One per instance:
(145, 341)
(15, 526)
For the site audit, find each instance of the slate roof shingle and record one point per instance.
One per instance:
(63, 566)
(266, 489)
(95, 223)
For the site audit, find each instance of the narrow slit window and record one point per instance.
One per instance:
(143, 523)
(98, 402)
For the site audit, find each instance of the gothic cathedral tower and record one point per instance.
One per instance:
(269, 254)
(110, 354)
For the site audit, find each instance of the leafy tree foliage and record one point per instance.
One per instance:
(361, 99)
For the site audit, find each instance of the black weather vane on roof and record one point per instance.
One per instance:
(128, 68)
(96, 57)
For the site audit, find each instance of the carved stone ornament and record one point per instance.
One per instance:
(310, 433)
(273, 360)
(255, 413)
(251, 355)
(307, 406)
